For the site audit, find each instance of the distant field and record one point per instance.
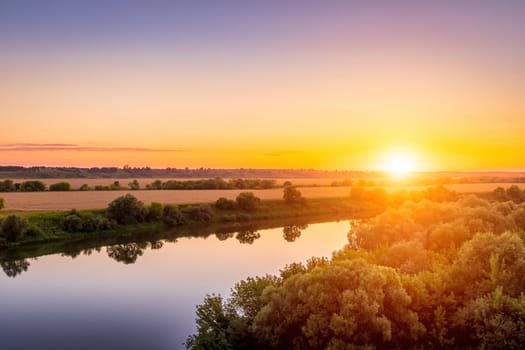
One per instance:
(32, 201)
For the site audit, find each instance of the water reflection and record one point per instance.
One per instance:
(126, 253)
(247, 236)
(128, 249)
(293, 232)
(14, 268)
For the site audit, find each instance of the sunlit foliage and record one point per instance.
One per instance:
(442, 273)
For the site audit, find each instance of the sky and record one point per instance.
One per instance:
(263, 84)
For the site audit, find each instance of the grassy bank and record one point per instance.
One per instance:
(56, 226)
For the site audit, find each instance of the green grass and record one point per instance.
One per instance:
(49, 226)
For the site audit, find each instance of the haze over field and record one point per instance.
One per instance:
(391, 85)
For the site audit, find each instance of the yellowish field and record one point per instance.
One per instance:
(33, 201)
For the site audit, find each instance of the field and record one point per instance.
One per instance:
(36, 201)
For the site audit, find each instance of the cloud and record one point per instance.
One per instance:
(32, 147)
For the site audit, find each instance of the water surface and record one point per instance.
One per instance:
(142, 295)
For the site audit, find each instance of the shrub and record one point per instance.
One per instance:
(247, 201)
(2, 203)
(84, 187)
(103, 223)
(225, 204)
(13, 227)
(60, 186)
(73, 223)
(172, 216)
(34, 231)
(155, 211)
(126, 210)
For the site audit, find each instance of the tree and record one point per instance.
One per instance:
(32, 186)
(172, 216)
(84, 187)
(7, 186)
(224, 204)
(60, 186)
(126, 210)
(515, 194)
(247, 201)
(134, 185)
(292, 195)
(2, 203)
(13, 227)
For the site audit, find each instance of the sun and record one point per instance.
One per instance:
(399, 163)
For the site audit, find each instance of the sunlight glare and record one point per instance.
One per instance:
(399, 163)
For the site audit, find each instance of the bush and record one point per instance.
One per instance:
(200, 213)
(34, 231)
(225, 204)
(247, 201)
(13, 227)
(103, 223)
(2, 203)
(172, 216)
(84, 187)
(292, 195)
(155, 211)
(60, 186)
(73, 223)
(126, 210)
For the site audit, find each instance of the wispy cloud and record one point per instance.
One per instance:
(31, 147)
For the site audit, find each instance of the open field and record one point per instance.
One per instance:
(34, 201)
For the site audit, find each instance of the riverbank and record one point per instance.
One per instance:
(56, 226)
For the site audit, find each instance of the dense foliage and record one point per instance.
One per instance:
(13, 227)
(60, 186)
(425, 275)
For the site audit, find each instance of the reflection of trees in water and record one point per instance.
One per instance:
(126, 253)
(292, 232)
(91, 251)
(156, 244)
(222, 236)
(14, 268)
(248, 236)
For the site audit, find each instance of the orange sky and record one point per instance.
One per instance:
(448, 86)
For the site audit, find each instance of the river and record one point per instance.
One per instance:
(142, 295)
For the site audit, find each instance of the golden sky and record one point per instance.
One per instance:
(333, 86)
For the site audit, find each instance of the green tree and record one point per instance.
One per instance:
(292, 195)
(247, 201)
(60, 186)
(126, 210)
(155, 211)
(7, 186)
(134, 185)
(13, 227)
(32, 186)
(172, 216)
(224, 204)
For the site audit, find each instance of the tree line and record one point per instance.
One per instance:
(201, 184)
(421, 275)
